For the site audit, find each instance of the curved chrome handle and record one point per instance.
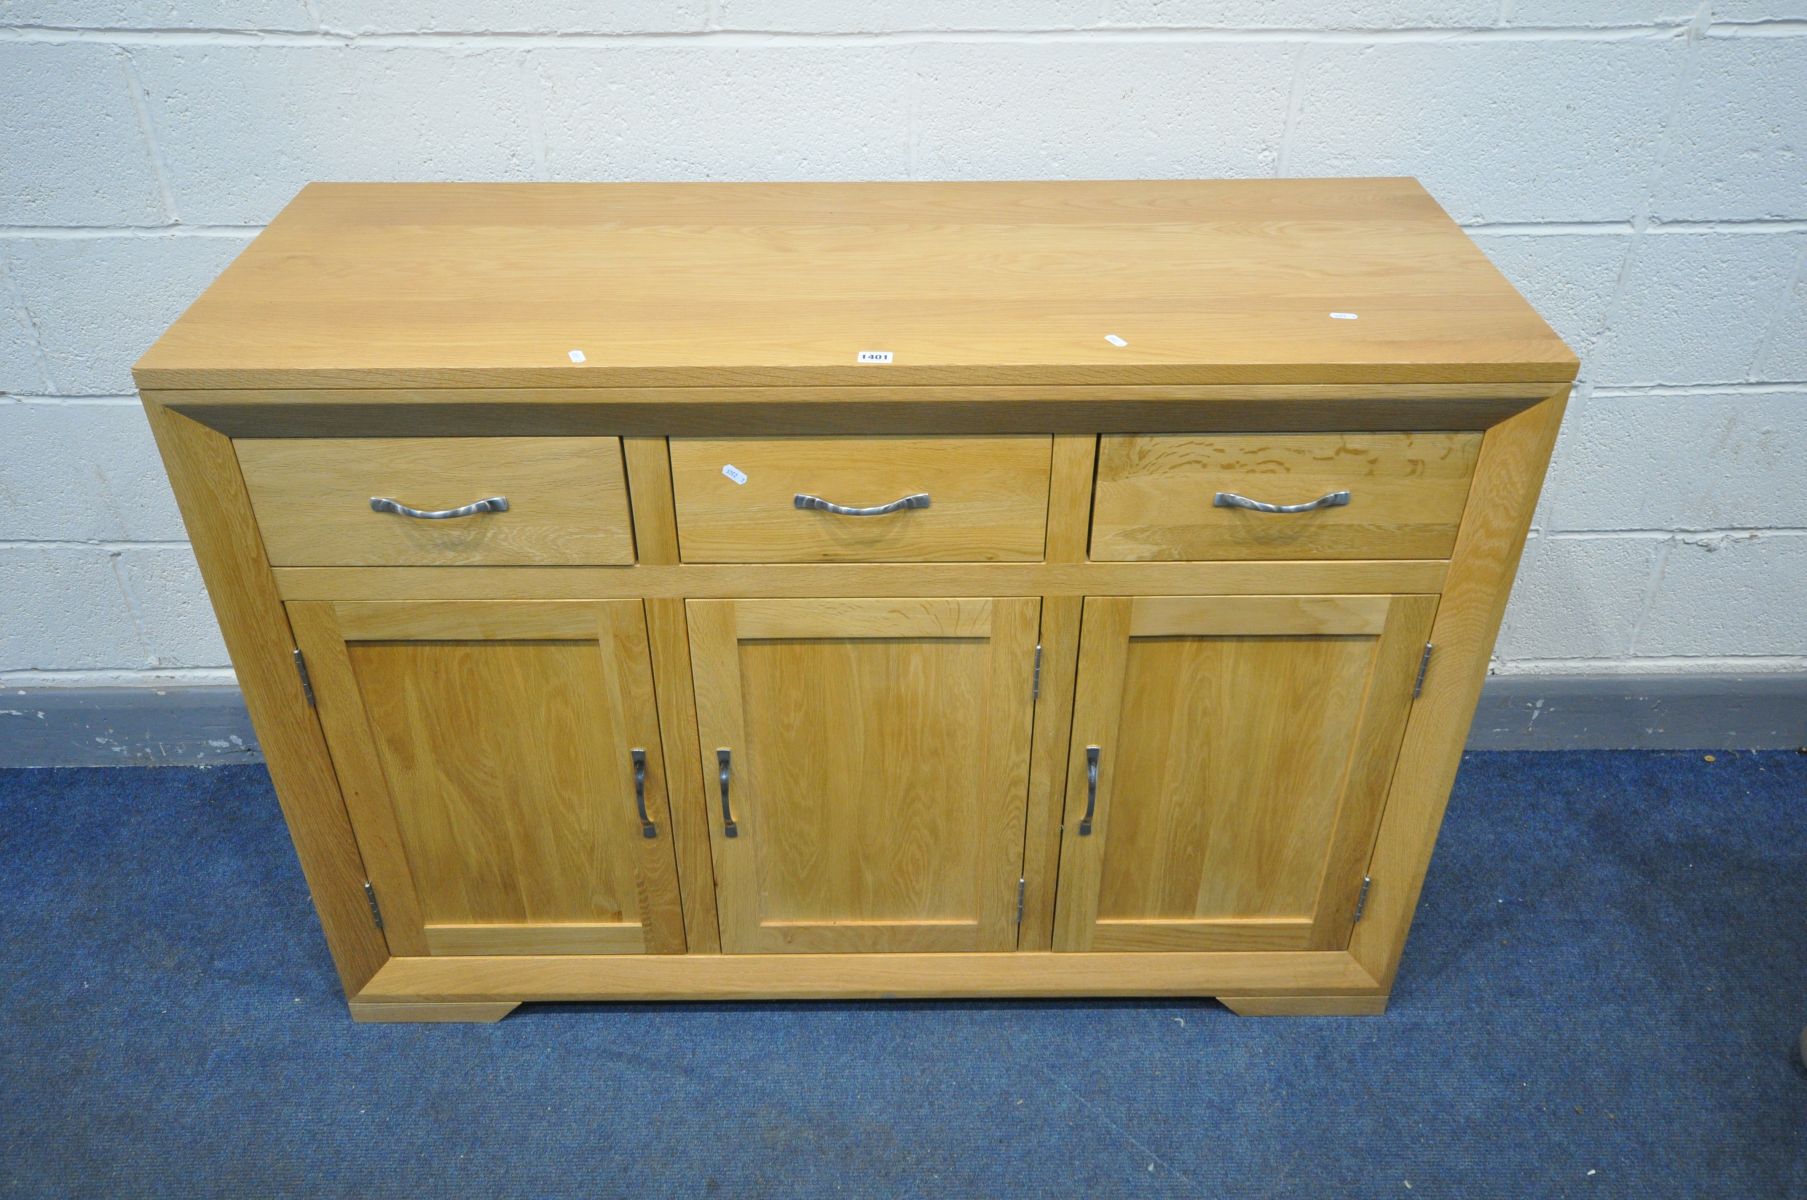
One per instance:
(723, 760)
(917, 500)
(1091, 790)
(1327, 500)
(647, 828)
(493, 504)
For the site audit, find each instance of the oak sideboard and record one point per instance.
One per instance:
(651, 591)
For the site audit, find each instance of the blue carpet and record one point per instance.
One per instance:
(1601, 999)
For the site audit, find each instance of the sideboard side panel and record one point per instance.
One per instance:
(1501, 500)
(217, 512)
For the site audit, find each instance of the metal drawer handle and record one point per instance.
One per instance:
(1327, 500)
(723, 760)
(647, 828)
(1091, 790)
(385, 504)
(804, 500)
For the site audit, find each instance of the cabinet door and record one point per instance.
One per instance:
(501, 765)
(1229, 760)
(868, 763)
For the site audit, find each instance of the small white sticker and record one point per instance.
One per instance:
(733, 472)
(875, 356)
(577, 356)
(1342, 316)
(1114, 340)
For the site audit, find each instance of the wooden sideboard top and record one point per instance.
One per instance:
(786, 284)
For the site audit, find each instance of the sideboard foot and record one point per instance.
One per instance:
(1305, 1006)
(475, 1011)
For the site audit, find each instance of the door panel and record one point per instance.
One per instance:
(877, 773)
(1243, 750)
(486, 753)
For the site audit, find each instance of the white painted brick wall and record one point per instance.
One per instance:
(1637, 167)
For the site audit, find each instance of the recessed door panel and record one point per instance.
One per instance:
(875, 773)
(1230, 759)
(503, 771)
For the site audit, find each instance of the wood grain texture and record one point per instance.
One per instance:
(1048, 768)
(1507, 477)
(785, 284)
(988, 499)
(1156, 495)
(567, 500)
(1084, 410)
(216, 511)
(879, 773)
(490, 777)
(1305, 1006)
(475, 1012)
(1070, 496)
(1235, 767)
(669, 636)
(649, 481)
(863, 976)
(801, 580)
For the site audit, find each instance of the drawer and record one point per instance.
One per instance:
(974, 499)
(566, 500)
(1172, 497)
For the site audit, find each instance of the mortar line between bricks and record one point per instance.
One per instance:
(1495, 228)
(21, 311)
(1759, 388)
(1679, 531)
(1294, 90)
(97, 401)
(113, 676)
(1653, 586)
(141, 106)
(134, 607)
(756, 38)
(106, 545)
(52, 232)
(1778, 318)
(1653, 664)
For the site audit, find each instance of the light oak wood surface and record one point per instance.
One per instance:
(1155, 496)
(867, 411)
(907, 790)
(216, 510)
(726, 581)
(879, 769)
(1241, 757)
(786, 284)
(1507, 477)
(567, 500)
(988, 499)
(488, 769)
(1317, 973)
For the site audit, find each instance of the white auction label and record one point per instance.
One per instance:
(733, 472)
(875, 356)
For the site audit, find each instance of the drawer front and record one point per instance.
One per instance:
(566, 501)
(987, 499)
(1178, 497)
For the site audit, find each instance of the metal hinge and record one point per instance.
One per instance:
(376, 913)
(1361, 901)
(1020, 885)
(1424, 664)
(1035, 685)
(307, 685)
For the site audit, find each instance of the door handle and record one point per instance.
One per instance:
(724, 762)
(1091, 790)
(1327, 500)
(492, 504)
(647, 828)
(805, 500)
